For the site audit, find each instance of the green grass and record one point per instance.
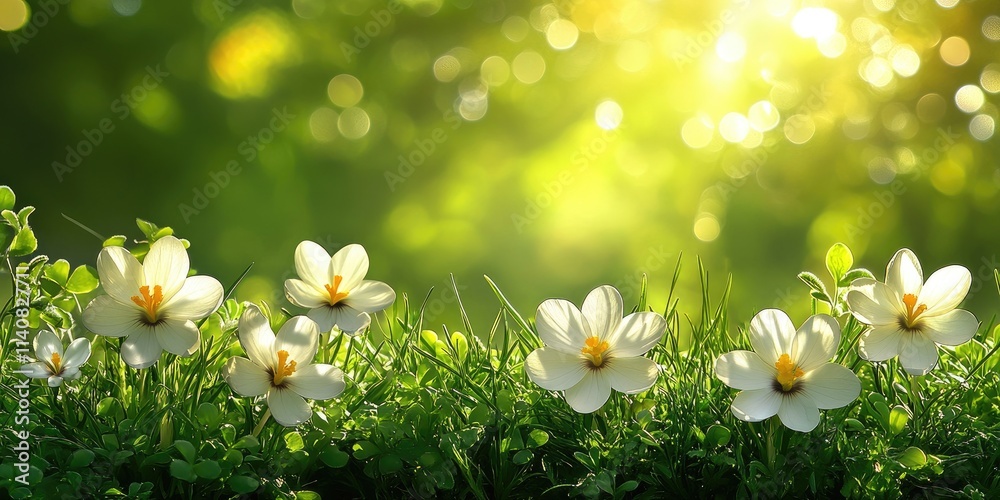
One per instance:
(453, 415)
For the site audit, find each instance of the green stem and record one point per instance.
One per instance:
(772, 448)
(263, 420)
(915, 403)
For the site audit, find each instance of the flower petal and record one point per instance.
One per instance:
(77, 353)
(299, 336)
(903, 274)
(312, 263)
(590, 393)
(317, 381)
(197, 298)
(603, 310)
(799, 413)
(37, 369)
(756, 404)
(561, 326)
(637, 334)
(815, 342)
(945, 290)
(370, 296)
(831, 386)
(771, 334)
(876, 304)
(344, 317)
(554, 370)
(106, 316)
(71, 373)
(246, 377)
(55, 381)
(287, 407)
(881, 342)
(256, 336)
(351, 263)
(954, 328)
(631, 375)
(166, 265)
(180, 337)
(917, 353)
(141, 349)
(46, 343)
(120, 273)
(305, 295)
(745, 370)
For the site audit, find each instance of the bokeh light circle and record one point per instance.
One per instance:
(970, 98)
(698, 131)
(955, 51)
(353, 123)
(345, 90)
(13, 14)
(734, 127)
(562, 34)
(982, 127)
(763, 116)
(608, 115)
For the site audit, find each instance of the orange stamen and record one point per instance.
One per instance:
(56, 362)
(285, 367)
(150, 303)
(595, 350)
(912, 313)
(335, 296)
(787, 372)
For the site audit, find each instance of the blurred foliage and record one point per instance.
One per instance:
(551, 146)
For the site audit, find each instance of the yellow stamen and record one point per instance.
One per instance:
(150, 303)
(335, 296)
(787, 372)
(286, 367)
(595, 350)
(912, 313)
(56, 362)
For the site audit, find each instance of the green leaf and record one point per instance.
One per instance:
(838, 260)
(629, 486)
(208, 469)
(22, 216)
(853, 424)
(524, 456)
(461, 345)
(247, 442)
(83, 280)
(24, 243)
(148, 228)
(333, 457)
(243, 484)
(307, 495)
(11, 219)
(187, 450)
(855, 274)
(81, 458)
(364, 450)
(115, 241)
(897, 419)
(183, 471)
(293, 440)
(717, 435)
(913, 458)
(207, 414)
(389, 464)
(58, 271)
(538, 437)
(7, 198)
(812, 281)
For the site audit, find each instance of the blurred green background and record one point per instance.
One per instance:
(552, 146)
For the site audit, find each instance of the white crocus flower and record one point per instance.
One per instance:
(334, 289)
(788, 373)
(281, 367)
(588, 353)
(909, 317)
(153, 304)
(55, 364)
